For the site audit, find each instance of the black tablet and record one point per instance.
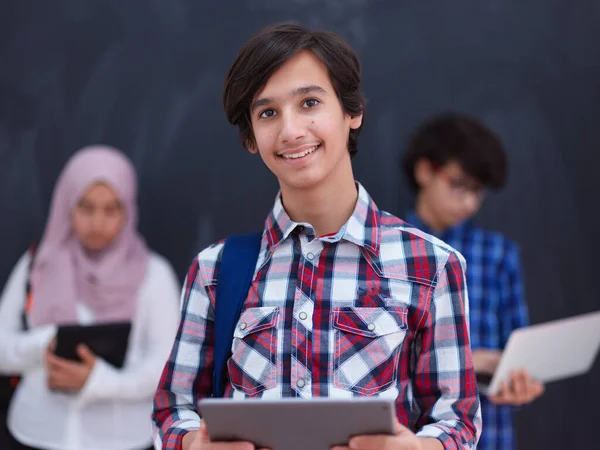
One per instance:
(107, 340)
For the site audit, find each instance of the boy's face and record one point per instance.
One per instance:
(447, 194)
(300, 128)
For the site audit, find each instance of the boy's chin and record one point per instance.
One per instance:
(302, 182)
(455, 220)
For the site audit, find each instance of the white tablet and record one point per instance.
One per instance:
(297, 424)
(550, 351)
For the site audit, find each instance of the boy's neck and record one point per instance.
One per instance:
(327, 207)
(426, 215)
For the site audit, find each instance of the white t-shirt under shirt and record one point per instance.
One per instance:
(112, 411)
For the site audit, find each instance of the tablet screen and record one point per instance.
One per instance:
(297, 424)
(109, 341)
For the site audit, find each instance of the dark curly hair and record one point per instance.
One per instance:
(457, 137)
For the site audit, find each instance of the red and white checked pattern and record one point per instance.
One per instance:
(380, 308)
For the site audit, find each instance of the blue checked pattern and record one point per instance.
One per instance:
(378, 309)
(497, 307)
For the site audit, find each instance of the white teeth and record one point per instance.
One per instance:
(301, 154)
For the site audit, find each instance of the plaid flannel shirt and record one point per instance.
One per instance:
(378, 309)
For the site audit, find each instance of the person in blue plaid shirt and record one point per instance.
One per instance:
(450, 160)
(346, 300)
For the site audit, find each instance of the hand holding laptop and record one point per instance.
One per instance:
(520, 388)
(548, 351)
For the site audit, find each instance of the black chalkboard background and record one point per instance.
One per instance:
(146, 76)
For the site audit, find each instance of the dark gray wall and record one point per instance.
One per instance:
(146, 76)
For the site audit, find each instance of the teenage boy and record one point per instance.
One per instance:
(450, 160)
(346, 300)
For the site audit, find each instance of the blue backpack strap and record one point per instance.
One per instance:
(236, 270)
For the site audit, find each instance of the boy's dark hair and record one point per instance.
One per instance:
(269, 50)
(456, 137)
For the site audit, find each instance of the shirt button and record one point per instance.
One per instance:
(300, 383)
(310, 256)
(303, 315)
(243, 326)
(301, 228)
(371, 327)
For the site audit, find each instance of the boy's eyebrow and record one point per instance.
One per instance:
(302, 90)
(260, 102)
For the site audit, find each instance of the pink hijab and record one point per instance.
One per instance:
(62, 273)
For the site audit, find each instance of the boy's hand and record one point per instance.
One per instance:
(520, 390)
(199, 440)
(404, 439)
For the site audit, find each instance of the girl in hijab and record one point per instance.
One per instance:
(91, 266)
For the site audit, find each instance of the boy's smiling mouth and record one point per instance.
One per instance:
(299, 152)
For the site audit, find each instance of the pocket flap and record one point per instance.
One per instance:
(253, 320)
(371, 322)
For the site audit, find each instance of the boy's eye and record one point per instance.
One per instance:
(267, 113)
(463, 186)
(310, 103)
(457, 183)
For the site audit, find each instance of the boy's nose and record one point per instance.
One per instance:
(292, 128)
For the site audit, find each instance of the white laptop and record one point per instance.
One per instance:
(550, 351)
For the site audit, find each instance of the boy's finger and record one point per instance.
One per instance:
(204, 433)
(508, 394)
(369, 442)
(231, 446)
(518, 385)
(400, 429)
(203, 436)
(540, 388)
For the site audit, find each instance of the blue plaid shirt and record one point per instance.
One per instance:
(496, 306)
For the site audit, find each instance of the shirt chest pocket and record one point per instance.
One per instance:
(252, 367)
(367, 344)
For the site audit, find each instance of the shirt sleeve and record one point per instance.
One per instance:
(187, 376)
(512, 300)
(20, 350)
(444, 382)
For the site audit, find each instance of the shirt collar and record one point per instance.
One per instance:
(362, 228)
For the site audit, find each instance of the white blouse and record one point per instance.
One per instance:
(112, 411)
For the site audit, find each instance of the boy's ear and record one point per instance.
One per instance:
(251, 146)
(356, 121)
(424, 172)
